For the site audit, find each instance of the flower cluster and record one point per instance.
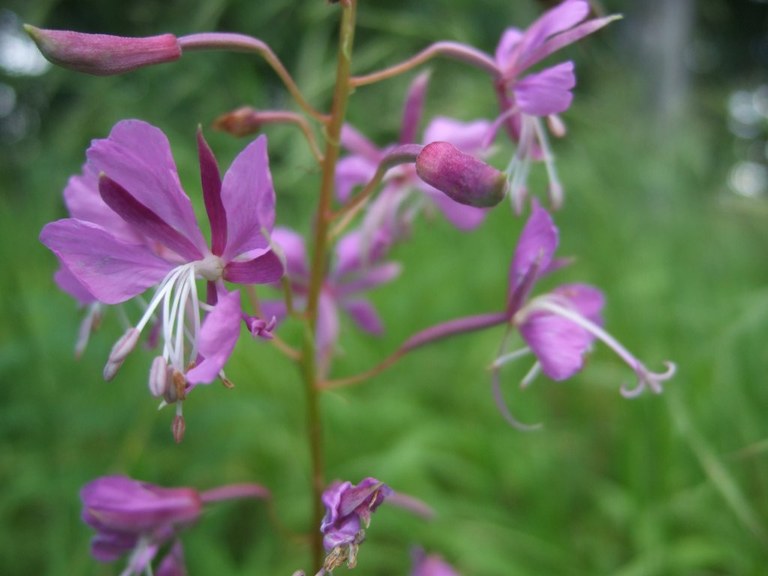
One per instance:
(132, 230)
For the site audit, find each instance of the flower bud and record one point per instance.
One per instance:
(460, 176)
(102, 54)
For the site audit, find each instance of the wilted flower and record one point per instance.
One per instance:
(138, 518)
(348, 514)
(156, 241)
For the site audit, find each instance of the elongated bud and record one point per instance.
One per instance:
(102, 54)
(460, 176)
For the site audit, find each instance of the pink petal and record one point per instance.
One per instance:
(137, 156)
(565, 38)
(546, 92)
(109, 268)
(359, 145)
(263, 269)
(367, 278)
(327, 329)
(291, 244)
(249, 199)
(536, 246)
(560, 18)
(413, 109)
(585, 299)
(461, 216)
(353, 171)
(505, 50)
(218, 337)
(468, 137)
(211, 183)
(67, 282)
(364, 315)
(559, 344)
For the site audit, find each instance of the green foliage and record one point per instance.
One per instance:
(663, 485)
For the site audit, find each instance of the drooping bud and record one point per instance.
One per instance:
(460, 176)
(240, 122)
(103, 54)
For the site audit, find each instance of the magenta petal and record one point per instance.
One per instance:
(109, 268)
(67, 282)
(137, 156)
(359, 145)
(364, 315)
(461, 216)
(108, 546)
(218, 337)
(585, 299)
(263, 269)
(291, 244)
(327, 327)
(173, 563)
(353, 171)
(211, 183)
(249, 199)
(536, 246)
(146, 222)
(558, 343)
(560, 18)
(367, 278)
(413, 109)
(546, 92)
(468, 137)
(510, 39)
(84, 202)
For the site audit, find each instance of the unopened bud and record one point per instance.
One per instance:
(102, 54)
(120, 351)
(240, 122)
(460, 176)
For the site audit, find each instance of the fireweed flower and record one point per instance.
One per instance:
(430, 565)
(348, 510)
(140, 519)
(527, 98)
(358, 266)
(391, 209)
(156, 241)
(558, 327)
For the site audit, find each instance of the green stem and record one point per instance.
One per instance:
(318, 271)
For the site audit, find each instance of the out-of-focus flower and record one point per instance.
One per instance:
(138, 518)
(525, 98)
(430, 565)
(389, 209)
(156, 241)
(348, 514)
(102, 54)
(358, 266)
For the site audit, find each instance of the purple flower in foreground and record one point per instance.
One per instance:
(137, 518)
(430, 565)
(348, 514)
(560, 326)
(136, 228)
(525, 97)
(358, 266)
(359, 168)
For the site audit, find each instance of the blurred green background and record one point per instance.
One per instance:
(665, 173)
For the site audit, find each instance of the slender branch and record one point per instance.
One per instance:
(427, 336)
(454, 50)
(246, 120)
(243, 43)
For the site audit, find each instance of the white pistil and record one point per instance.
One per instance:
(555, 188)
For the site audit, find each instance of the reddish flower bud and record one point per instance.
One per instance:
(460, 176)
(102, 54)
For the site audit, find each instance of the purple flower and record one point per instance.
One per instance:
(357, 267)
(133, 227)
(390, 209)
(348, 513)
(430, 565)
(558, 327)
(137, 518)
(525, 97)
